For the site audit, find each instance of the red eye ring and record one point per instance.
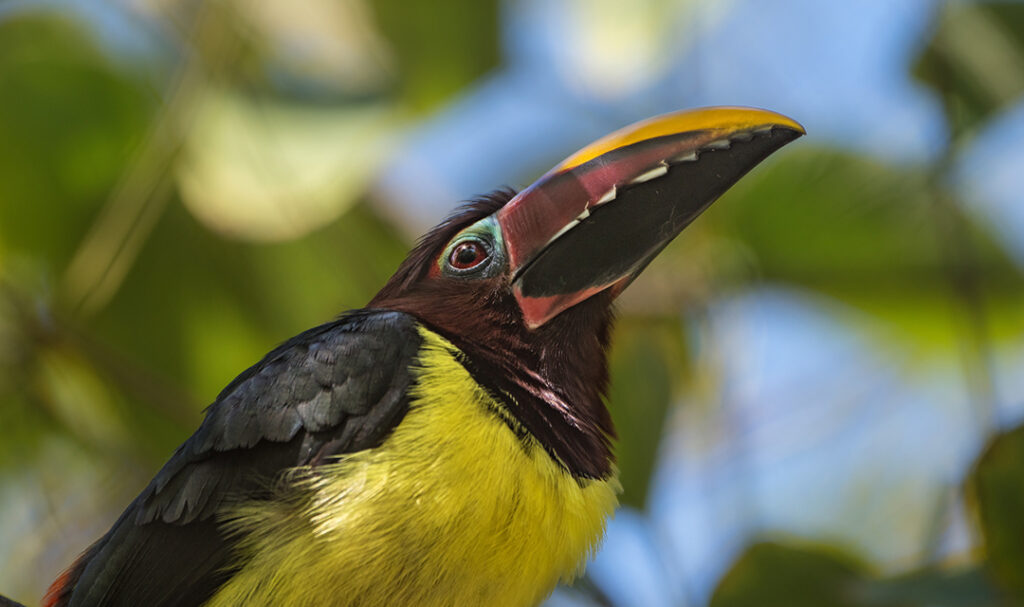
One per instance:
(467, 255)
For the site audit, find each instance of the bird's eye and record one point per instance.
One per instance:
(467, 255)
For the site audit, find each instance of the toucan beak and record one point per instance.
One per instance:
(596, 220)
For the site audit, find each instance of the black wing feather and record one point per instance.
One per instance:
(338, 388)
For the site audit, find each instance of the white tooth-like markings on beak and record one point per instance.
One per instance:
(657, 171)
(722, 144)
(572, 224)
(688, 157)
(609, 195)
(586, 213)
(661, 169)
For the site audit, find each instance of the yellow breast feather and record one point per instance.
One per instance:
(452, 509)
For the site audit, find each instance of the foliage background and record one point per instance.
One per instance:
(817, 386)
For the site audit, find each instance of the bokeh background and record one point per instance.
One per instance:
(816, 387)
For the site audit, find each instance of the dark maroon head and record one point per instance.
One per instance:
(523, 283)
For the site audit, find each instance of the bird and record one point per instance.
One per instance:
(448, 444)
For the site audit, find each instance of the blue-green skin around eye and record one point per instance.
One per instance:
(488, 233)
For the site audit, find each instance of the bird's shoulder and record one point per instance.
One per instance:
(337, 388)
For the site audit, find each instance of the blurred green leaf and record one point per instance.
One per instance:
(648, 360)
(69, 120)
(773, 574)
(769, 574)
(77, 397)
(49, 385)
(268, 170)
(440, 46)
(311, 49)
(872, 236)
(934, 588)
(975, 60)
(997, 487)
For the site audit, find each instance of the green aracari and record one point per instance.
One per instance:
(449, 443)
